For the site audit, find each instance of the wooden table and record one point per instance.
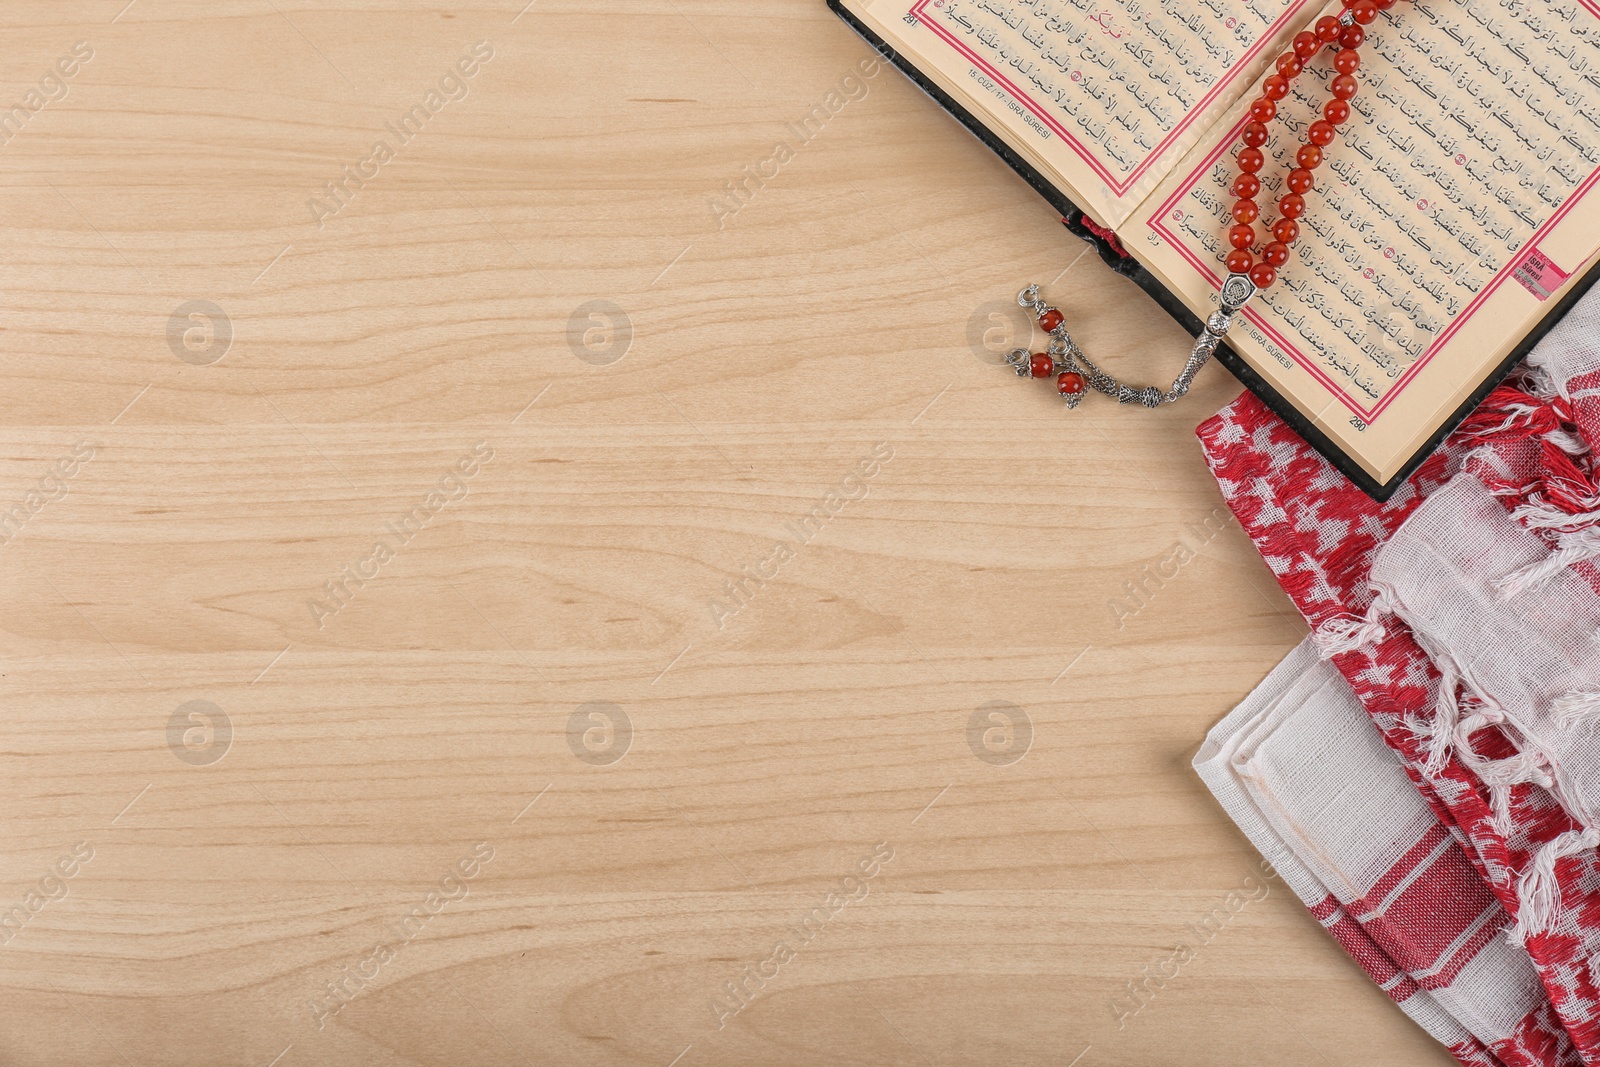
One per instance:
(748, 673)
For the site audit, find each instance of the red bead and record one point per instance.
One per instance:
(1344, 87)
(1286, 230)
(1336, 111)
(1363, 11)
(1042, 365)
(1328, 28)
(1246, 211)
(1306, 45)
(1384, 5)
(1263, 276)
(1069, 383)
(1251, 160)
(1309, 156)
(1050, 320)
(1276, 87)
(1238, 261)
(1263, 110)
(1246, 186)
(1320, 133)
(1348, 61)
(1243, 235)
(1352, 36)
(1292, 206)
(1275, 254)
(1300, 180)
(1289, 65)
(1254, 135)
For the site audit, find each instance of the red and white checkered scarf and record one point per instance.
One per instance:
(1491, 772)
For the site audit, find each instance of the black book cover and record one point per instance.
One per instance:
(1124, 264)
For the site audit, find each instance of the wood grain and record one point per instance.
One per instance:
(639, 464)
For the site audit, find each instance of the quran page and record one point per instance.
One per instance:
(1103, 97)
(1455, 209)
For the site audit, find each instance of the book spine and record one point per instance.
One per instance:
(1105, 242)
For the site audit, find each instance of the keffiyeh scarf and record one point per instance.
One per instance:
(1462, 614)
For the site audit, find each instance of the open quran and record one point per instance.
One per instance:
(1454, 218)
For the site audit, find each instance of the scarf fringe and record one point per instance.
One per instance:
(1537, 889)
(1573, 708)
(1574, 546)
(1451, 730)
(1539, 379)
(1349, 633)
(1445, 730)
(1500, 809)
(1530, 766)
(1513, 415)
(1570, 443)
(1540, 514)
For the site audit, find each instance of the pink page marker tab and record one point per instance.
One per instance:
(1539, 275)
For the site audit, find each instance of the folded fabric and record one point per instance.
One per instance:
(1301, 770)
(1319, 535)
(1508, 621)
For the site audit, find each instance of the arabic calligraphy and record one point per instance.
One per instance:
(1475, 123)
(1119, 75)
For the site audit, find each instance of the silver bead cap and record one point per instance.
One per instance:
(1236, 293)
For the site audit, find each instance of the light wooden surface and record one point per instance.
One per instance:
(368, 751)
